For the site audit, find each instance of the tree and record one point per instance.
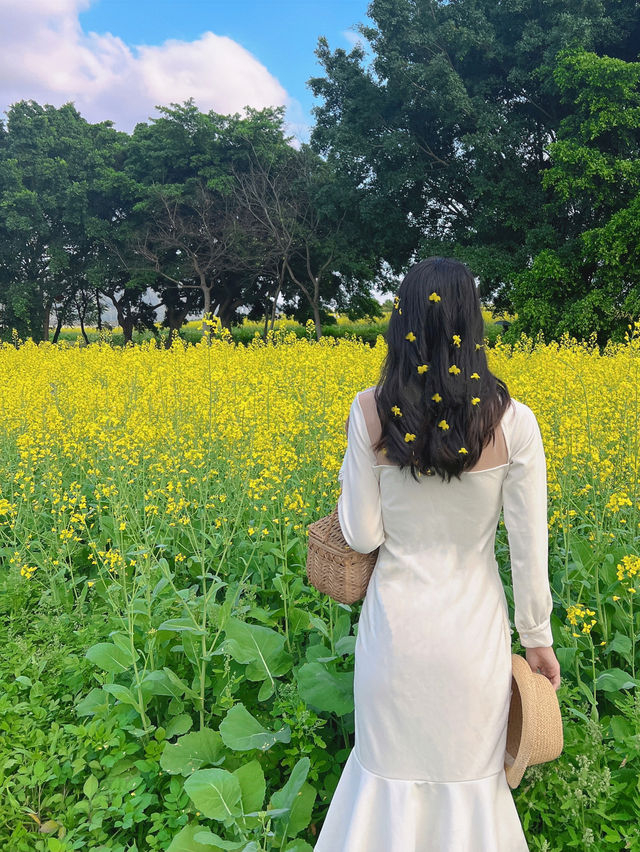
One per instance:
(298, 207)
(50, 160)
(588, 279)
(445, 130)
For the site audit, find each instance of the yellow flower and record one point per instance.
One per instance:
(443, 424)
(462, 450)
(479, 345)
(616, 597)
(474, 376)
(422, 368)
(456, 339)
(251, 530)
(475, 400)
(434, 297)
(437, 397)
(123, 525)
(396, 302)
(409, 437)
(395, 410)
(411, 336)
(454, 369)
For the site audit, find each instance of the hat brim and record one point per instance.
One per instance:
(534, 728)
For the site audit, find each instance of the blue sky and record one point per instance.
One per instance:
(282, 34)
(118, 58)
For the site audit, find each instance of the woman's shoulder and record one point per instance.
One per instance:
(520, 424)
(366, 402)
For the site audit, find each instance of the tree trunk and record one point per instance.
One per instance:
(275, 300)
(175, 321)
(45, 320)
(82, 328)
(316, 319)
(125, 322)
(206, 329)
(56, 333)
(99, 307)
(127, 329)
(60, 319)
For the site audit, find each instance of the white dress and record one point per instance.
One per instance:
(432, 678)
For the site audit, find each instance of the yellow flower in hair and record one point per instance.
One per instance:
(422, 368)
(399, 310)
(454, 369)
(434, 297)
(462, 450)
(395, 410)
(443, 424)
(396, 302)
(409, 437)
(456, 339)
(411, 336)
(474, 376)
(437, 397)
(479, 345)
(475, 400)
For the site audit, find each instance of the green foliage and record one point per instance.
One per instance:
(589, 280)
(444, 122)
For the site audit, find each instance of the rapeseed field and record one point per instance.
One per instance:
(160, 498)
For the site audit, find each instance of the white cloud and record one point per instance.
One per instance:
(46, 56)
(354, 38)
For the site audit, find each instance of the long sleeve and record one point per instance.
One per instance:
(359, 509)
(524, 496)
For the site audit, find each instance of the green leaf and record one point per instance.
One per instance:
(182, 625)
(192, 751)
(181, 686)
(261, 648)
(216, 793)
(241, 731)
(302, 809)
(178, 725)
(622, 729)
(252, 784)
(298, 845)
(90, 787)
(620, 643)
(209, 837)
(110, 658)
(324, 690)
(92, 702)
(122, 694)
(159, 683)
(612, 680)
(285, 797)
(565, 657)
(185, 841)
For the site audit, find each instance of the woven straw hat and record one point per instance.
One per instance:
(534, 729)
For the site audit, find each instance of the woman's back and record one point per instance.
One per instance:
(432, 675)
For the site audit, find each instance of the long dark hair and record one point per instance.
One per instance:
(438, 304)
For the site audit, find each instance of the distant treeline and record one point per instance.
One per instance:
(506, 136)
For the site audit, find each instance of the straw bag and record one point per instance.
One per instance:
(332, 566)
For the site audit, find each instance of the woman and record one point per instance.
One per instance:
(435, 451)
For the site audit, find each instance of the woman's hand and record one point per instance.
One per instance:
(545, 661)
